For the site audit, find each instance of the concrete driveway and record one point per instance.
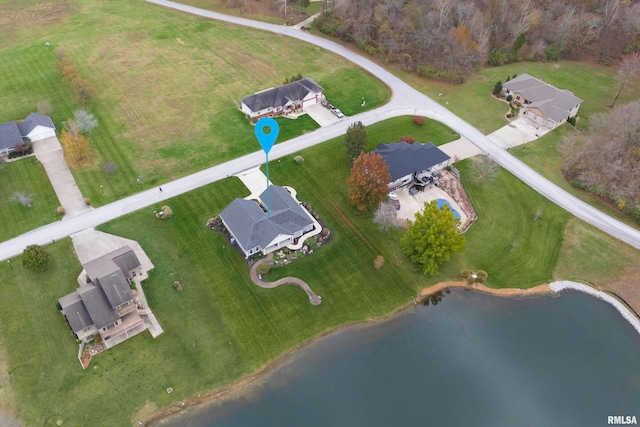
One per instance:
(460, 149)
(49, 152)
(518, 132)
(323, 116)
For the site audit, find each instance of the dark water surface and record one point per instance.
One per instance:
(472, 360)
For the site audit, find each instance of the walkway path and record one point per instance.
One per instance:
(49, 152)
(313, 298)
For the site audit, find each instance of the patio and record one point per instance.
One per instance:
(410, 204)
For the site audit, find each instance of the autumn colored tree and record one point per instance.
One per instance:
(368, 181)
(432, 237)
(355, 139)
(35, 257)
(75, 145)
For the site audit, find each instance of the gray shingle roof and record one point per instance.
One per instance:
(403, 159)
(108, 272)
(282, 95)
(75, 311)
(97, 305)
(252, 228)
(553, 102)
(9, 135)
(33, 120)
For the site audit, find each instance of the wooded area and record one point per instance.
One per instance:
(449, 39)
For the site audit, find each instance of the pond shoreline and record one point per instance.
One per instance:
(241, 386)
(232, 390)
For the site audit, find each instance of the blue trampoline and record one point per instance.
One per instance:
(442, 202)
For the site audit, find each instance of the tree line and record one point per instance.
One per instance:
(450, 39)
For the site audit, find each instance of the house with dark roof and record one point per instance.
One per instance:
(407, 161)
(282, 99)
(542, 103)
(255, 231)
(105, 305)
(35, 127)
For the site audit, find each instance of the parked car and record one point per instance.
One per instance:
(337, 112)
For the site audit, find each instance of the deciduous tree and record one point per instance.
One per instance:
(484, 170)
(85, 121)
(35, 257)
(432, 237)
(368, 181)
(355, 139)
(628, 73)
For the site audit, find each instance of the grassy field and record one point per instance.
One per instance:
(223, 327)
(167, 91)
(26, 176)
(472, 100)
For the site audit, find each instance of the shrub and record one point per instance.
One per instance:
(509, 98)
(408, 139)
(87, 201)
(325, 232)
(465, 274)
(497, 89)
(35, 258)
(482, 276)
(60, 210)
(299, 159)
(263, 268)
(418, 120)
(378, 262)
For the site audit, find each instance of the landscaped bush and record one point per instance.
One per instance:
(35, 257)
(299, 159)
(263, 268)
(481, 276)
(87, 201)
(378, 262)
(418, 120)
(509, 98)
(60, 210)
(408, 139)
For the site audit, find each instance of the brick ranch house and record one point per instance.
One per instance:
(256, 232)
(542, 103)
(35, 127)
(282, 99)
(106, 305)
(412, 163)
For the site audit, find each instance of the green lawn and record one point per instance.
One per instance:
(472, 100)
(165, 109)
(26, 176)
(222, 326)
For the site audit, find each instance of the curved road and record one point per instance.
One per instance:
(404, 101)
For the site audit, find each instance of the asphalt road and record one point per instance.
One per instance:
(404, 101)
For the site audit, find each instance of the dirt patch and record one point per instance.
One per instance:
(17, 17)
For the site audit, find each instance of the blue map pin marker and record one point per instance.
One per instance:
(266, 140)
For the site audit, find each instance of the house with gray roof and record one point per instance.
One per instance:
(35, 127)
(542, 103)
(255, 231)
(282, 99)
(105, 305)
(407, 161)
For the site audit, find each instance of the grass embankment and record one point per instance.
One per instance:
(222, 326)
(167, 91)
(25, 176)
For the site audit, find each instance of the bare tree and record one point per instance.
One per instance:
(628, 73)
(110, 167)
(23, 198)
(85, 121)
(443, 7)
(386, 217)
(484, 170)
